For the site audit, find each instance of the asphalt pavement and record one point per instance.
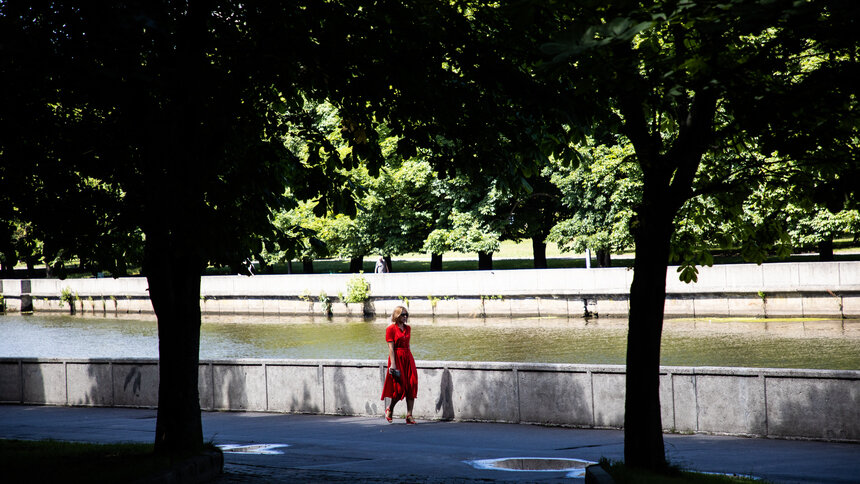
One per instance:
(264, 447)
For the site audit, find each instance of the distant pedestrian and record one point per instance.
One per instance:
(401, 379)
(381, 265)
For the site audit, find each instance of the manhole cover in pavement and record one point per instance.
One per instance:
(261, 449)
(574, 467)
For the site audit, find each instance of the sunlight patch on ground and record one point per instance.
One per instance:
(260, 449)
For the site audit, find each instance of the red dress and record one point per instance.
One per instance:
(407, 384)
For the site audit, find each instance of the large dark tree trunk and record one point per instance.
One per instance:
(667, 183)
(485, 261)
(174, 289)
(539, 249)
(435, 262)
(356, 264)
(308, 266)
(643, 429)
(178, 240)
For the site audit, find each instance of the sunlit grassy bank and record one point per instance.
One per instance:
(511, 255)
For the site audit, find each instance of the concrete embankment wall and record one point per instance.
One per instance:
(810, 289)
(781, 403)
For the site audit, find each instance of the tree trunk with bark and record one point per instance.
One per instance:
(643, 429)
(604, 258)
(121, 267)
(667, 174)
(539, 250)
(174, 289)
(308, 266)
(485, 261)
(435, 262)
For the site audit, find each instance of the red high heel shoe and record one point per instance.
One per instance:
(410, 420)
(388, 414)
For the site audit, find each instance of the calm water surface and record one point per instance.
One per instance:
(751, 343)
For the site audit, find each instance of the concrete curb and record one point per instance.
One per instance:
(205, 467)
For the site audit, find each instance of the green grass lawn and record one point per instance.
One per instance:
(625, 475)
(518, 256)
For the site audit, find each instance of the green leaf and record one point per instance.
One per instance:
(529, 189)
(639, 28)
(688, 273)
(619, 26)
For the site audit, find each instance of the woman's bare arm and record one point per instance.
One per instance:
(391, 357)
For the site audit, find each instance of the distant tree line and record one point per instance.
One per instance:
(408, 207)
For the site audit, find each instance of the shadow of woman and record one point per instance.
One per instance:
(445, 402)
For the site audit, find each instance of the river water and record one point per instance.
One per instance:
(795, 343)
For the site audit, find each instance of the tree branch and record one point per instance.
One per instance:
(694, 136)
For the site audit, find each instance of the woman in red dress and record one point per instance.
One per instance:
(401, 379)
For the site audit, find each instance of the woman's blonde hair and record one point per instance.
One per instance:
(397, 312)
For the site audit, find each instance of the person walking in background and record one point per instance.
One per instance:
(381, 266)
(401, 379)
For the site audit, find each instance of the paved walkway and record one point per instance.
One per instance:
(368, 449)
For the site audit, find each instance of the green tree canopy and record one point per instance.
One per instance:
(600, 195)
(164, 118)
(686, 82)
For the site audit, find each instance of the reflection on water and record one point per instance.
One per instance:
(686, 342)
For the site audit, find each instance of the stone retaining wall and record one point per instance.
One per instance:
(808, 289)
(782, 403)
